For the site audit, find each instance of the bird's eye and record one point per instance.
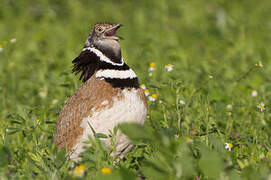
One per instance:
(99, 29)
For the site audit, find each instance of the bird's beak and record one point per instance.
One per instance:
(112, 32)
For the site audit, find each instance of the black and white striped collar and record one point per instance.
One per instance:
(92, 61)
(102, 56)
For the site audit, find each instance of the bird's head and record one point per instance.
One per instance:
(102, 43)
(103, 37)
(105, 31)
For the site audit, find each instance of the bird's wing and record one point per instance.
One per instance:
(79, 106)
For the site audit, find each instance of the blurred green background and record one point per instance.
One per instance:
(213, 45)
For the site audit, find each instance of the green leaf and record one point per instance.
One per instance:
(210, 163)
(12, 130)
(136, 132)
(100, 135)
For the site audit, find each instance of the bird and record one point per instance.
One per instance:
(109, 95)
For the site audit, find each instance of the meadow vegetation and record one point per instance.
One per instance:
(208, 117)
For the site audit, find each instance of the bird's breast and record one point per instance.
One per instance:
(130, 108)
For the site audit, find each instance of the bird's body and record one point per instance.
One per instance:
(109, 96)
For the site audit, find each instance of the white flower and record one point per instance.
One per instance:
(254, 93)
(43, 93)
(259, 64)
(181, 102)
(261, 107)
(228, 146)
(143, 86)
(146, 92)
(210, 76)
(13, 40)
(54, 101)
(169, 67)
(229, 107)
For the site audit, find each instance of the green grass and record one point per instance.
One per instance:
(213, 45)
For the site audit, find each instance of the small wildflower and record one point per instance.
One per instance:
(79, 171)
(147, 92)
(143, 86)
(150, 74)
(152, 66)
(153, 97)
(261, 107)
(43, 93)
(55, 101)
(254, 93)
(259, 64)
(188, 140)
(38, 121)
(169, 67)
(229, 107)
(1, 48)
(181, 102)
(13, 40)
(228, 146)
(177, 135)
(235, 135)
(210, 76)
(106, 170)
(229, 113)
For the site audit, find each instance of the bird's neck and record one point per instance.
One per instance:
(105, 65)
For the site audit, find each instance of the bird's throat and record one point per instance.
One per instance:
(110, 48)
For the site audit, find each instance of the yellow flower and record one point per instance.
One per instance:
(79, 171)
(188, 140)
(106, 170)
(153, 97)
(261, 107)
(38, 121)
(1, 48)
(147, 92)
(228, 146)
(152, 66)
